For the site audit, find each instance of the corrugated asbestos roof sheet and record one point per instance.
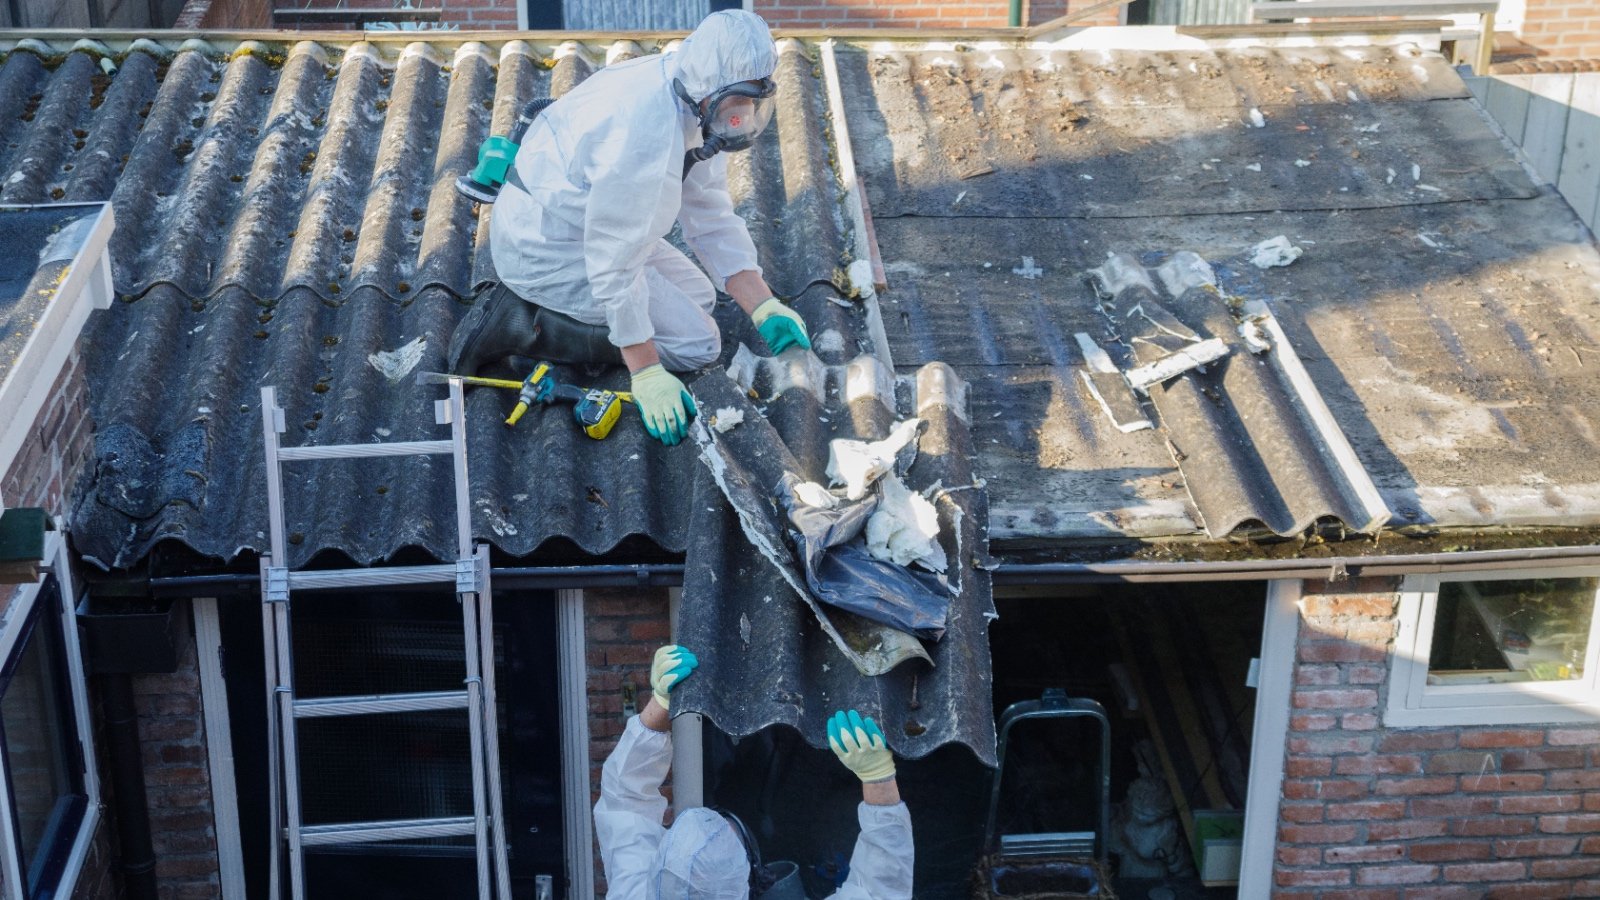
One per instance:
(273, 232)
(1444, 309)
(288, 214)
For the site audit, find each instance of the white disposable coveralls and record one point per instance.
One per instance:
(627, 822)
(601, 182)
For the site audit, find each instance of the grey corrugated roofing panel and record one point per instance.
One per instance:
(332, 169)
(763, 664)
(287, 210)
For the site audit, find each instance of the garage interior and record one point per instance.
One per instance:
(1170, 664)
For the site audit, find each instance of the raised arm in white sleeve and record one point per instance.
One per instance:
(627, 818)
(717, 235)
(880, 865)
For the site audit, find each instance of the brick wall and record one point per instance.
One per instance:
(58, 445)
(1563, 29)
(622, 629)
(1375, 812)
(227, 15)
(931, 14)
(177, 780)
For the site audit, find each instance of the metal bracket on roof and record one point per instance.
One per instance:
(466, 575)
(277, 588)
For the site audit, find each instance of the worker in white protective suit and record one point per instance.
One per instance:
(708, 856)
(578, 235)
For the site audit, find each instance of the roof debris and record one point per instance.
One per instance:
(726, 419)
(857, 464)
(1274, 252)
(395, 365)
(904, 529)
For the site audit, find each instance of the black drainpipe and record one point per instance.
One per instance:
(127, 787)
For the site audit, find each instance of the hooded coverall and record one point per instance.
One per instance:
(599, 181)
(628, 818)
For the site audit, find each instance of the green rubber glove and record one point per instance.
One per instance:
(664, 404)
(859, 744)
(672, 665)
(780, 326)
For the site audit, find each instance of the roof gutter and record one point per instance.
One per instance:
(1335, 568)
(1008, 574)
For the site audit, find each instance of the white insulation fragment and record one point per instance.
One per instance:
(395, 365)
(726, 419)
(815, 495)
(857, 464)
(1255, 337)
(860, 273)
(1274, 252)
(904, 529)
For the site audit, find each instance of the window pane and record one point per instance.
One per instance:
(1506, 631)
(40, 737)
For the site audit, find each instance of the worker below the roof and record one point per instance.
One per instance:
(579, 237)
(708, 855)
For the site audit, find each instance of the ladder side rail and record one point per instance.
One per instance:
(274, 764)
(271, 426)
(456, 411)
(291, 756)
(491, 737)
(475, 729)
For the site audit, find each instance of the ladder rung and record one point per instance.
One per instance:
(379, 703)
(393, 830)
(356, 451)
(344, 578)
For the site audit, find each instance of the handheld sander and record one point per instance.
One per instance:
(497, 154)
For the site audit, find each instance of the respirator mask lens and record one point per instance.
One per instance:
(737, 114)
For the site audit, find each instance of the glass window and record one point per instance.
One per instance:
(43, 761)
(1494, 632)
(1496, 648)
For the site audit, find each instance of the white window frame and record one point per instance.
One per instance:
(22, 603)
(1414, 702)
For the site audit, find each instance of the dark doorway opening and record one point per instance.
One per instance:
(408, 765)
(1168, 663)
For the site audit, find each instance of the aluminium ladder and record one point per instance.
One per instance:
(470, 575)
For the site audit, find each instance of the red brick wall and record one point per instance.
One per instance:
(58, 445)
(931, 14)
(177, 780)
(622, 629)
(1563, 29)
(1375, 812)
(227, 15)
